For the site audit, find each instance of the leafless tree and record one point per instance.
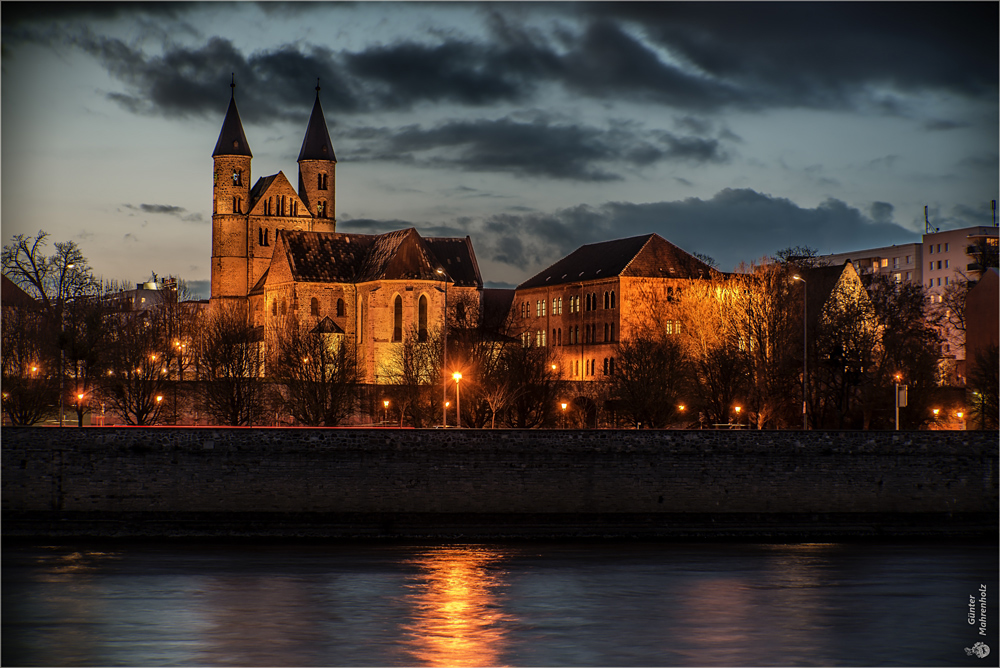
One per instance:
(231, 353)
(30, 377)
(318, 372)
(138, 358)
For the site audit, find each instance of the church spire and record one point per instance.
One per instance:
(316, 145)
(232, 140)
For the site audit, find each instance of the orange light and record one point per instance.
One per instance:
(563, 405)
(682, 407)
(738, 409)
(960, 414)
(936, 411)
(80, 396)
(159, 398)
(457, 376)
(385, 404)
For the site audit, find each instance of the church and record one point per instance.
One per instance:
(276, 252)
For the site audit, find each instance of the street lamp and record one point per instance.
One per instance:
(901, 398)
(563, 404)
(444, 353)
(805, 349)
(385, 411)
(738, 409)
(458, 400)
(961, 416)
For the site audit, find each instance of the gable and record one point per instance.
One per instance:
(280, 270)
(273, 187)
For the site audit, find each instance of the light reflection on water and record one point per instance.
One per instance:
(494, 604)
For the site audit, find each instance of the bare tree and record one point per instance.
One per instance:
(984, 382)
(649, 379)
(317, 369)
(529, 368)
(30, 380)
(411, 370)
(231, 353)
(138, 360)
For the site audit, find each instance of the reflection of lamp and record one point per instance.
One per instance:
(444, 352)
(458, 400)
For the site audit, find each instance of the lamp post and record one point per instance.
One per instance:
(805, 349)
(563, 404)
(79, 413)
(738, 409)
(444, 353)
(898, 377)
(458, 401)
(62, 344)
(385, 411)
(961, 417)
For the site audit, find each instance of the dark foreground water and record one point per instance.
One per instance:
(523, 604)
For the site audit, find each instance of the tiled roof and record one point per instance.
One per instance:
(495, 307)
(327, 326)
(259, 188)
(232, 140)
(316, 144)
(649, 255)
(13, 295)
(458, 259)
(335, 257)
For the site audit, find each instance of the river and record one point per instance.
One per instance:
(623, 603)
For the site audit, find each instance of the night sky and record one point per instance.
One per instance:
(732, 130)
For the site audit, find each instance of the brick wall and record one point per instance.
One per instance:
(210, 470)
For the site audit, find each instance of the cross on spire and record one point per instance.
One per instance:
(233, 85)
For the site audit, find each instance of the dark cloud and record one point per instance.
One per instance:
(819, 54)
(941, 124)
(536, 148)
(733, 226)
(169, 210)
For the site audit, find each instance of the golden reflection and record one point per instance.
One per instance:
(457, 616)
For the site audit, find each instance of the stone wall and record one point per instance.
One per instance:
(650, 475)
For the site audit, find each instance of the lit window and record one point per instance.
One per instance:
(670, 326)
(422, 318)
(543, 338)
(885, 262)
(544, 302)
(397, 319)
(538, 309)
(899, 278)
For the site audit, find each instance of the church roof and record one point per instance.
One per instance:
(316, 145)
(259, 188)
(327, 326)
(649, 255)
(232, 140)
(336, 257)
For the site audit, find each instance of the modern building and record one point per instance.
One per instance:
(276, 251)
(903, 262)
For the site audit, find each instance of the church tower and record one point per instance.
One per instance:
(230, 208)
(317, 171)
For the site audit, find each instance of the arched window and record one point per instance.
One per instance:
(321, 181)
(236, 204)
(274, 307)
(607, 302)
(422, 318)
(460, 311)
(260, 236)
(560, 337)
(321, 209)
(605, 366)
(612, 299)
(397, 319)
(267, 241)
(237, 177)
(611, 366)
(588, 302)
(284, 307)
(340, 308)
(314, 306)
(605, 338)
(294, 208)
(612, 331)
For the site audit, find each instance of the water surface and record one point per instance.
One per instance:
(523, 604)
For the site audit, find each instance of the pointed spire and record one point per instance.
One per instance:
(316, 145)
(232, 139)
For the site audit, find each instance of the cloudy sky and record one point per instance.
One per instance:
(732, 130)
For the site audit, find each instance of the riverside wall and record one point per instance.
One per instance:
(482, 483)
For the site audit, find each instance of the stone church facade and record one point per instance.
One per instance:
(276, 252)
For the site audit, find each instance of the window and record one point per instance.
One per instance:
(677, 327)
(422, 318)
(931, 248)
(939, 282)
(274, 307)
(236, 204)
(612, 299)
(612, 331)
(885, 262)
(576, 334)
(544, 302)
(538, 308)
(314, 306)
(237, 177)
(899, 278)
(607, 304)
(909, 275)
(294, 208)
(321, 209)
(946, 264)
(895, 263)
(340, 308)
(932, 264)
(611, 366)
(460, 312)
(397, 319)
(560, 336)
(284, 307)
(670, 294)
(946, 248)
(605, 340)
(588, 302)
(939, 248)
(669, 324)
(939, 264)
(946, 280)
(560, 306)
(605, 366)
(321, 181)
